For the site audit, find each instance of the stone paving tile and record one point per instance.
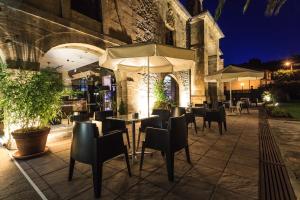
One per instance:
(50, 194)
(65, 189)
(121, 182)
(205, 174)
(217, 162)
(221, 194)
(13, 184)
(89, 195)
(46, 164)
(192, 188)
(160, 179)
(144, 190)
(241, 170)
(242, 185)
(182, 156)
(223, 155)
(23, 195)
(199, 148)
(212, 163)
(243, 160)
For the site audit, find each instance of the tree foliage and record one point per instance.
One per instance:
(31, 99)
(272, 7)
(161, 99)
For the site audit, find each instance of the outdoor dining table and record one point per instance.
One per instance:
(130, 118)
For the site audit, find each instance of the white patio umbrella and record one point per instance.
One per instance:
(233, 73)
(155, 58)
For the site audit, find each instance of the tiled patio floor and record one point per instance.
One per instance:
(223, 167)
(13, 185)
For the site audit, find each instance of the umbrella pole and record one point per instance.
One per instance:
(230, 94)
(148, 86)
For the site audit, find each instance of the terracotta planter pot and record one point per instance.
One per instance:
(32, 142)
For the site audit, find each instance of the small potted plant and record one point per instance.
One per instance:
(30, 100)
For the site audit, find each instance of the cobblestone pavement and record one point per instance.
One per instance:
(287, 135)
(13, 185)
(223, 167)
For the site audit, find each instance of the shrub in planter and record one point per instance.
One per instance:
(161, 99)
(30, 99)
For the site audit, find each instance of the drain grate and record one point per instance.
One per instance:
(274, 180)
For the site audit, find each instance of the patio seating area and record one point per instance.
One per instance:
(222, 167)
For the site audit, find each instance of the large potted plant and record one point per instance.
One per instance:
(161, 99)
(30, 100)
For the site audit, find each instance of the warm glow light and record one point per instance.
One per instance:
(242, 84)
(287, 63)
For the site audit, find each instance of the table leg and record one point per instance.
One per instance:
(133, 141)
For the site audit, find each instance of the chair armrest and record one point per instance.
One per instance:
(157, 138)
(110, 145)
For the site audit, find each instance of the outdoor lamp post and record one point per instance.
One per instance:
(289, 64)
(242, 85)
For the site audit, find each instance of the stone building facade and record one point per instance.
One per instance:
(31, 29)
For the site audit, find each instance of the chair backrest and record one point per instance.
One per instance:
(154, 122)
(83, 142)
(177, 111)
(102, 115)
(199, 112)
(111, 145)
(108, 124)
(162, 113)
(198, 105)
(222, 113)
(80, 116)
(178, 132)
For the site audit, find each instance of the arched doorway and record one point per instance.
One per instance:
(172, 89)
(78, 64)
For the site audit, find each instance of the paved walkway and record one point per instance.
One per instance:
(287, 135)
(13, 185)
(224, 167)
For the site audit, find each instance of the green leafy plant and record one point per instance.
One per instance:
(161, 99)
(30, 98)
(275, 111)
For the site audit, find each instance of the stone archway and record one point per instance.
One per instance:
(55, 39)
(172, 88)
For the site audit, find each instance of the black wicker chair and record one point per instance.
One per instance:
(190, 117)
(109, 125)
(218, 116)
(80, 117)
(154, 122)
(168, 141)
(87, 147)
(177, 111)
(199, 112)
(164, 116)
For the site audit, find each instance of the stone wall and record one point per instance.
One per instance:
(32, 26)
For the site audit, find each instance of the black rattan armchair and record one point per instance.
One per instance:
(80, 117)
(177, 111)
(168, 141)
(164, 116)
(87, 147)
(218, 116)
(191, 119)
(154, 122)
(109, 125)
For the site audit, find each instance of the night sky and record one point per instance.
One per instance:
(254, 35)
